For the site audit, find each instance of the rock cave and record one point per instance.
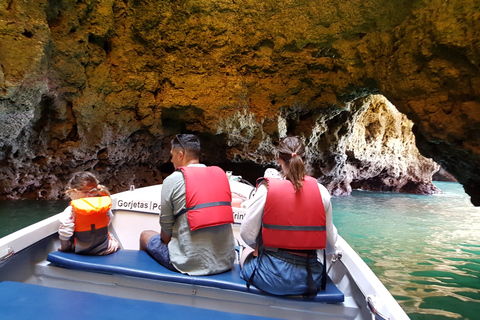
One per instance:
(384, 93)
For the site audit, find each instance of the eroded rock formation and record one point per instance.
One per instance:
(104, 85)
(382, 155)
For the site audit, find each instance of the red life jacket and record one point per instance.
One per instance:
(91, 224)
(294, 220)
(208, 197)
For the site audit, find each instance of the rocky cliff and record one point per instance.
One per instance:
(104, 85)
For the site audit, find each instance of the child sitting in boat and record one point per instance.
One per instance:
(84, 223)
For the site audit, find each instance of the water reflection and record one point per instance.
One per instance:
(425, 249)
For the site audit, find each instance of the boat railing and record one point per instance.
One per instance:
(23, 238)
(10, 253)
(371, 305)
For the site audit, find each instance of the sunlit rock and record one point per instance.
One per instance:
(382, 155)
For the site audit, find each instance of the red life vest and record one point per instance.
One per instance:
(208, 197)
(294, 220)
(91, 224)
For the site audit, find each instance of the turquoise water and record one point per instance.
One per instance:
(15, 215)
(425, 249)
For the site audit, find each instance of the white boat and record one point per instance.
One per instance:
(39, 282)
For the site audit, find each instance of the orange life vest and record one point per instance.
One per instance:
(294, 220)
(208, 197)
(91, 224)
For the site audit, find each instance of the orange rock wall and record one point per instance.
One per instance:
(104, 85)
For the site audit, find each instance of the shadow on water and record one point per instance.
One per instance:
(249, 171)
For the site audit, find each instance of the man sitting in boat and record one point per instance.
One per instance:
(84, 223)
(287, 221)
(196, 235)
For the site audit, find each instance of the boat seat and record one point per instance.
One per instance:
(29, 301)
(138, 263)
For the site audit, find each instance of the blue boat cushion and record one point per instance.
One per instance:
(137, 263)
(20, 301)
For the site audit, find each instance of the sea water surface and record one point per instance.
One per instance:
(425, 249)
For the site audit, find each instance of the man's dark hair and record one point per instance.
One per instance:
(189, 143)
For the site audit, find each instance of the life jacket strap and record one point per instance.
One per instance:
(294, 228)
(204, 205)
(250, 279)
(324, 271)
(311, 286)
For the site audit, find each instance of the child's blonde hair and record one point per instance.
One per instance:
(88, 183)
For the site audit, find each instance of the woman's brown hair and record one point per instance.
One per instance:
(292, 152)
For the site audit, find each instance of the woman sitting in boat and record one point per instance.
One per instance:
(84, 223)
(288, 220)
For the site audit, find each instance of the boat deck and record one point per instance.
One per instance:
(28, 301)
(134, 274)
